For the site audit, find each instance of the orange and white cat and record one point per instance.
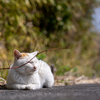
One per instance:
(33, 75)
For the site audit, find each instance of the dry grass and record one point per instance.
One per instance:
(2, 81)
(72, 80)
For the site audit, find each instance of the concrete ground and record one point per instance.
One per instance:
(71, 92)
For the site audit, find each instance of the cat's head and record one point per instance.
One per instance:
(22, 58)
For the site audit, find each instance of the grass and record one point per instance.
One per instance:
(4, 73)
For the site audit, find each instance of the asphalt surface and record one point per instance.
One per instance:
(74, 92)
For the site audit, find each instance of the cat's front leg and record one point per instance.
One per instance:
(33, 86)
(16, 86)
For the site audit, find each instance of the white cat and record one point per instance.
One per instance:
(33, 75)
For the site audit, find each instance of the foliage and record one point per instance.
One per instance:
(29, 25)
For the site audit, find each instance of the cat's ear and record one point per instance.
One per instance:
(17, 54)
(34, 53)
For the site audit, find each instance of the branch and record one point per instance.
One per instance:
(53, 49)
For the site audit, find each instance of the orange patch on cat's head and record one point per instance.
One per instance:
(24, 54)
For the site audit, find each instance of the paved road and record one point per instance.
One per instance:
(74, 92)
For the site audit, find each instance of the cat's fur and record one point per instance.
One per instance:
(33, 75)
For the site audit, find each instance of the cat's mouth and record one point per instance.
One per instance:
(32, 70)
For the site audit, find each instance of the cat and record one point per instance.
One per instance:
(34, 75)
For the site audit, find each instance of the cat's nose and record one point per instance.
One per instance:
(34, 67)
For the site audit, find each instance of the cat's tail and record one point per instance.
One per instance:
(53, 69)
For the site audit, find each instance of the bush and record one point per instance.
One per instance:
(30, 25)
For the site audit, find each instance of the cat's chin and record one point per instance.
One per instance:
(31, 72)
(28, 73)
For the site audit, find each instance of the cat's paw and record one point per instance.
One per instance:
(21, 87)
(16, 86)
(30, 87)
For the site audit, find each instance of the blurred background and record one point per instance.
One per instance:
(30, 25)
